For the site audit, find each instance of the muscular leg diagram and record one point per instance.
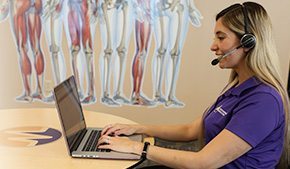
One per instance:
(52, 15)
(169, 19)
(26, 26)
(20, 30)
(170, 32)
(142, 38)
(115, 15)
(81, 35)
(34, 27)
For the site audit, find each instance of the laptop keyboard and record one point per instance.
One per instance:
(91, 144)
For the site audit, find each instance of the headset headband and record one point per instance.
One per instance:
(246, 21)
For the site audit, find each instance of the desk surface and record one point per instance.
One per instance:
(17, 151)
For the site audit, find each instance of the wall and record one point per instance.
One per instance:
(199, 82)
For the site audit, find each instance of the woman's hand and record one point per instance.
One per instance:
(118, 129)
(120, 144)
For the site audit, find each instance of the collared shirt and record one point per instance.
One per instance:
(254, 112)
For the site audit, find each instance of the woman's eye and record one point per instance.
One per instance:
(221, 37)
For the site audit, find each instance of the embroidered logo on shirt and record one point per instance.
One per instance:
(221, 111)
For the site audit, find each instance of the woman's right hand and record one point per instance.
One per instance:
(118, 129)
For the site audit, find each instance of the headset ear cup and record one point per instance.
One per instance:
(248, 41)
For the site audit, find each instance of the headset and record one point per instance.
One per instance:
(248, 40)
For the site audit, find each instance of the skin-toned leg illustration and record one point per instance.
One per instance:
(81, 33)
(175, 15)
(26, 28)
(52, 16)
(142, 41)
(115, 16)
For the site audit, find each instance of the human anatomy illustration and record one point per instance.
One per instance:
(80, 34)
(115, 33)
(25, 20)
(170, 30)
(143, 28)
(120, 21)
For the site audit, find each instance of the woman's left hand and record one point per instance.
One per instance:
(120, 144)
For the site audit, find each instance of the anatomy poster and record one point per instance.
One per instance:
(119, 23)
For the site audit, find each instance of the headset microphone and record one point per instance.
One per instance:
(217, 60)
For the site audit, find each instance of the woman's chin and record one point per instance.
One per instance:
(222, 66)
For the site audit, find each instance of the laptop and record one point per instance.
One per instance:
(82, 141)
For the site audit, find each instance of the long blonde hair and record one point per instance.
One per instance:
(262, 60)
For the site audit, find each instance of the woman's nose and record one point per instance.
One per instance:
(213, 47)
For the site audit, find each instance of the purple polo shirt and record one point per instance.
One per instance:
(254, 112)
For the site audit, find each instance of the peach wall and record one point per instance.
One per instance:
(199, 82)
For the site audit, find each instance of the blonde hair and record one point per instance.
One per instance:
(262, 60)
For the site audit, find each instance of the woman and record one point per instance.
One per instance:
(245, 127)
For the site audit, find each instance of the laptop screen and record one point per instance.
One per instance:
(70, 110)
